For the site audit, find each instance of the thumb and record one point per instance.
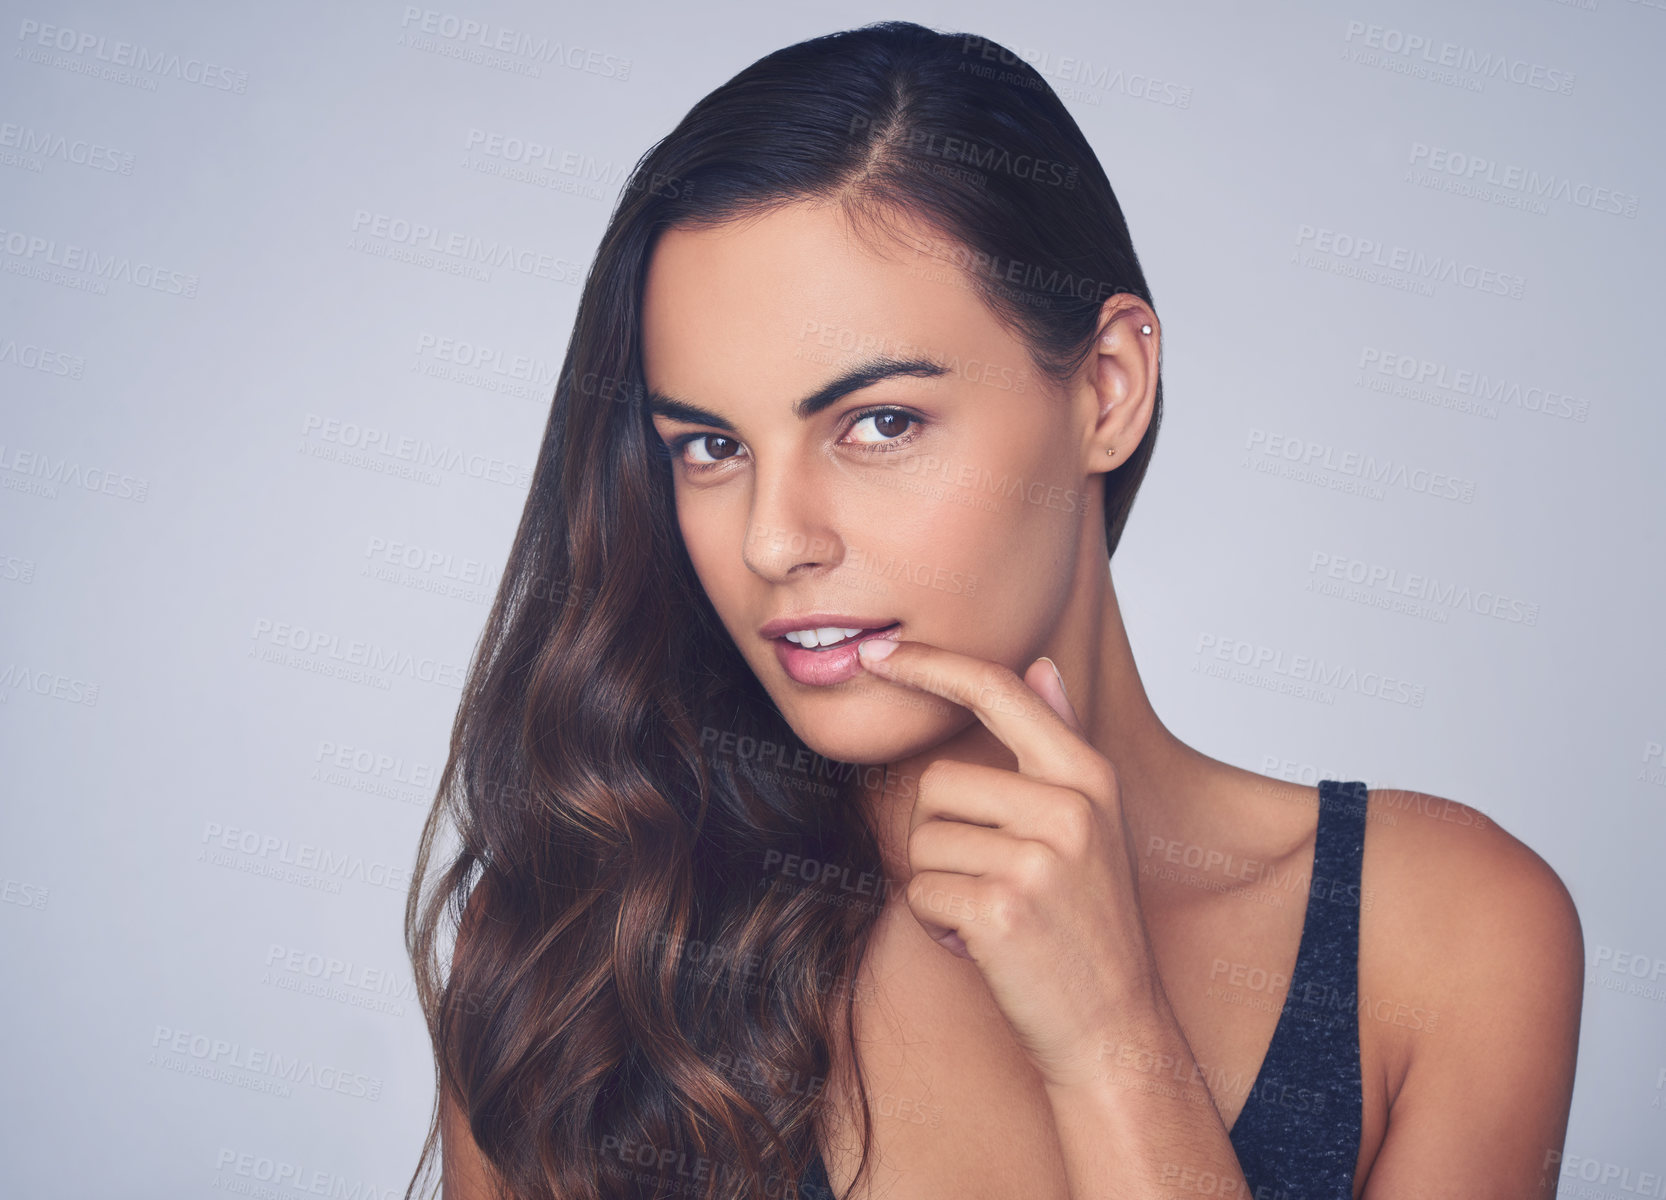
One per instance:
(1046, 682)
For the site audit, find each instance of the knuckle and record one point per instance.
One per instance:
(1102, 775)
(1076, 819)
(1034, 865)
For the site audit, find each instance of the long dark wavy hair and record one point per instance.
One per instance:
(641, 878)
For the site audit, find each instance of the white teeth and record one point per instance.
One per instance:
(825, 636)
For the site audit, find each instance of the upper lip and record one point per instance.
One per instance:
(820, 620)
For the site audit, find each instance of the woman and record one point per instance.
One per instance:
(866, 359)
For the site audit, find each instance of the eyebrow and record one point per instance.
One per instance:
(864, 374)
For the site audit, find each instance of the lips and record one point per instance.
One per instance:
(825, 639)
(833, 664)
(823, 620)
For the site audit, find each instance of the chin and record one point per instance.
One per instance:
(868, 727)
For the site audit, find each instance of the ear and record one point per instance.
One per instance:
(1121, 380)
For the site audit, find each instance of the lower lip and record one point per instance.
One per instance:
(821, 668)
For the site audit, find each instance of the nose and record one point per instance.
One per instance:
(788, 531)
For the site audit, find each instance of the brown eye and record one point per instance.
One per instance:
(718, 448)
(888, 423)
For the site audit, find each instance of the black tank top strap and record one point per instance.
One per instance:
(1298, 1132)
(1330, 936)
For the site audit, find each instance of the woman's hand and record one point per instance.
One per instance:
(1028, 873)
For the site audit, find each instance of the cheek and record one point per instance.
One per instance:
(713, 548)
(988, 570)
(713, 536)
(991, 537)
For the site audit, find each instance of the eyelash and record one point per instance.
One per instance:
(675, 446)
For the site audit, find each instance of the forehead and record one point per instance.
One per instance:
(770, 302)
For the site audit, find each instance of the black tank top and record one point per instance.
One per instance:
(1297, 1136)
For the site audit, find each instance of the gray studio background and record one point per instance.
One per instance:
(266, 426)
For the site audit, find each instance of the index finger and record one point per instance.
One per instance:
(1023, 721)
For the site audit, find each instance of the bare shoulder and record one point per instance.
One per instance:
(1464, 920)
(1477, 898)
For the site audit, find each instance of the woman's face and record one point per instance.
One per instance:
(946, 493)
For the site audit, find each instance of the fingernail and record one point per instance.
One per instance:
(1056, 674)
(874, 648)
